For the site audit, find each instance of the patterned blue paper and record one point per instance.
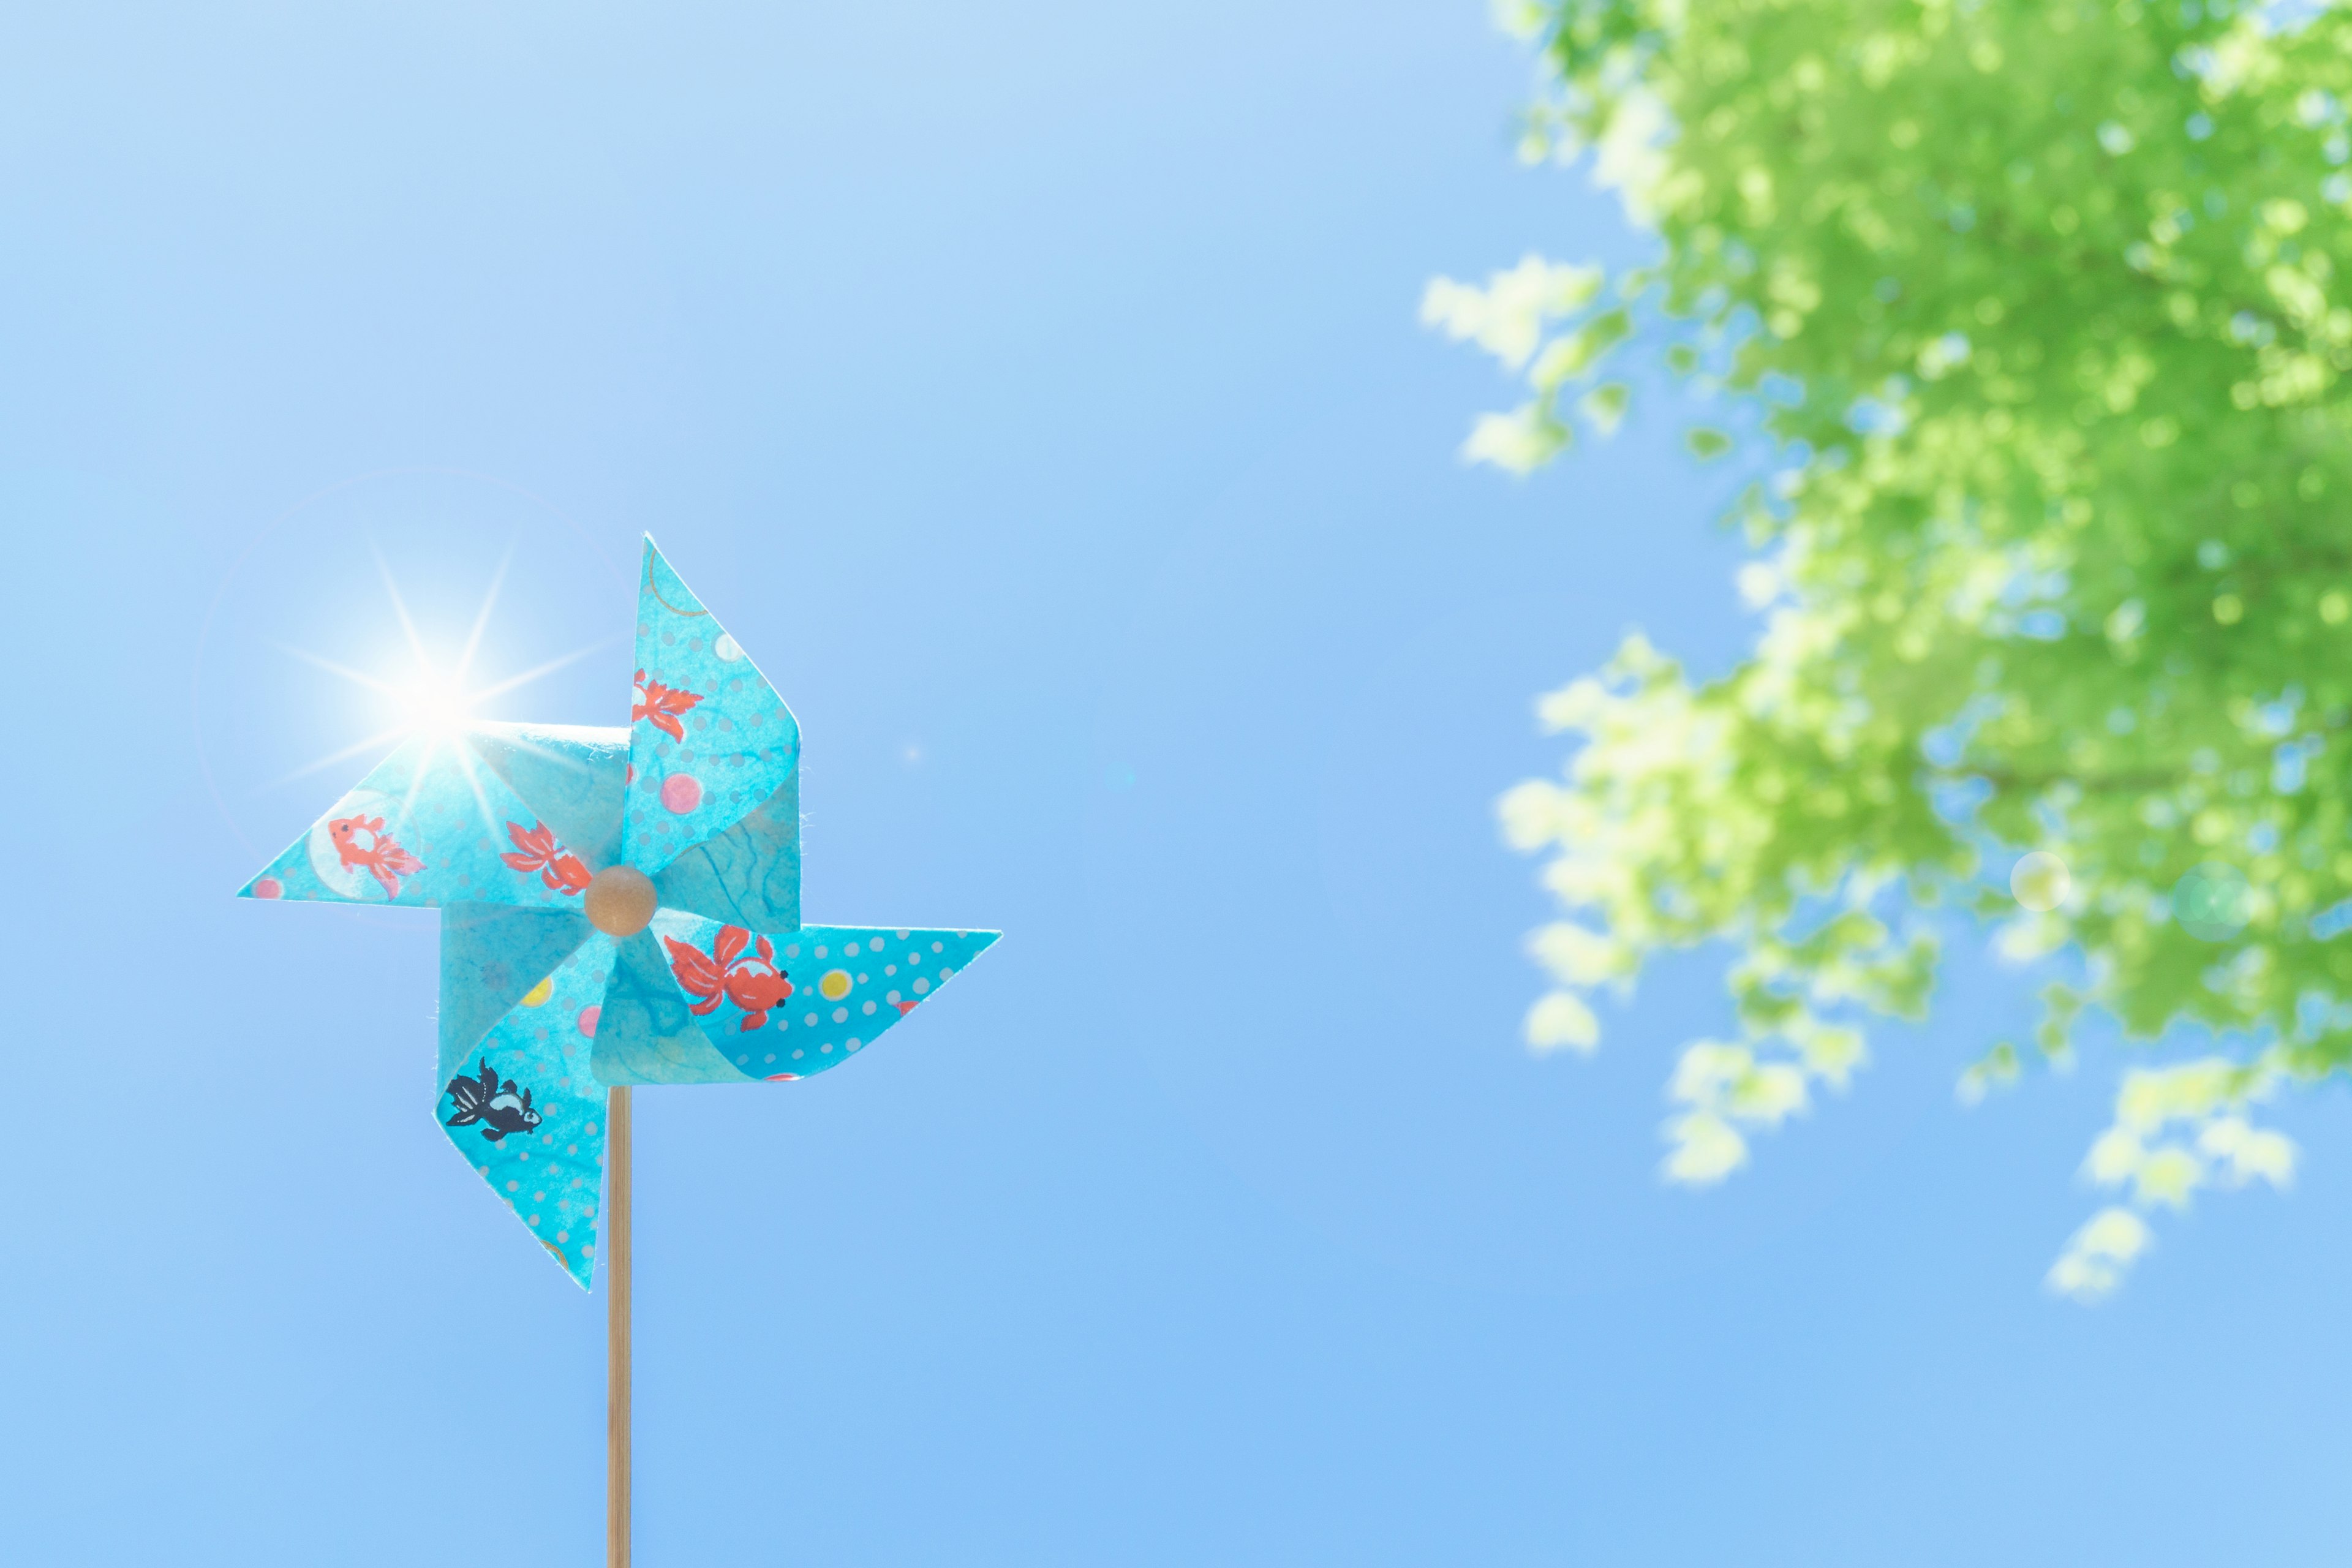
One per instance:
(782, 1005)
(708, 738)
(651, 1038)
(430, 825)
(522, 1105)
(491, 956)
(504, 828)
(573, 778)
(750, 874)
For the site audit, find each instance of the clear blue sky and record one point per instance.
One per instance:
(1034, 390)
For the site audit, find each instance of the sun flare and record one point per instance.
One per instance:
(434, 700)
(435, 703)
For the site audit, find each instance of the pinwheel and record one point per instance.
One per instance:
(618, 906)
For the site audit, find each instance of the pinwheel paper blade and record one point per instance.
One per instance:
(708, 738)
(618, 906)
(518, 1100)
(432, 823)
(781, 1006)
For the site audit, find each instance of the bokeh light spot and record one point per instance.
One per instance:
(2211, 902)
(2039, 880)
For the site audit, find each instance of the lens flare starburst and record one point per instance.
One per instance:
(434, 698)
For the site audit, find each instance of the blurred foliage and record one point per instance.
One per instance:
(2027, 312)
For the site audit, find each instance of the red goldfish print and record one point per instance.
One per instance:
(361, 843)
(537, 851)
(727, 973)
(660, 706)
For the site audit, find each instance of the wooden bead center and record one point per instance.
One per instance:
(620, 900)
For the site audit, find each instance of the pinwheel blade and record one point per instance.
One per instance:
(430, 825)
(782, 1006)
(491, 957)
(749, 875)
(573, 777)
(647, 1035)
(710, 741)
(519, 1100)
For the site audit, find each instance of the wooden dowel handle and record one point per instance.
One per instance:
(617, 1328)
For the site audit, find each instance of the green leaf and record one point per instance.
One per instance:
(2046, 330)
(1604, 406)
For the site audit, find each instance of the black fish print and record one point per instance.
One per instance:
(496, 1106)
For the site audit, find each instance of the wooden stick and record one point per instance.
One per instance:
(616, 1329)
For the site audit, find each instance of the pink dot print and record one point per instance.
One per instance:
(681, 793)
(269, 888)
(587, 1020)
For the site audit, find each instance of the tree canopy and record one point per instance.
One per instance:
(2027, 312)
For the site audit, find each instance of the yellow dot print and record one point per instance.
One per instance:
(541, 993)
(835, 985)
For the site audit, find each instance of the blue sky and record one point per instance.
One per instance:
(1036, 391)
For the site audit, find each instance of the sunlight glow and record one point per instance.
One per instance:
(435, 703)
(434, 700)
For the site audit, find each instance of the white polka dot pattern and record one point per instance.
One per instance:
(753, 1003)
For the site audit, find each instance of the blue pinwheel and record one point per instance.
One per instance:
(617, 906)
